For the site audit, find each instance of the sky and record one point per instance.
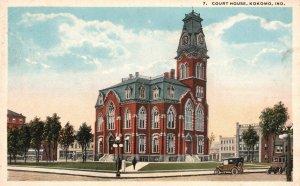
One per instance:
(58, 58)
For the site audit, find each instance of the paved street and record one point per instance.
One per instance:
(34, 176)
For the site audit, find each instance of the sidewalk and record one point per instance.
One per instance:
(131, 174)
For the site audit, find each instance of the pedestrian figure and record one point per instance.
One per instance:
(134, 163)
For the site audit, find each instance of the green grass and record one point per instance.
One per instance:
(109, 166)
(179, 166)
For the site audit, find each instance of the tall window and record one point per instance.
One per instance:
(127, 119)
(155, 144)
(199, 92)
(188, 115)
(198, 71)
(155, 92)
(200, 145)
(127, 92)
(127, 144)
(171, 92)
(142, 118)
(183, 71)
(155, 118)
(171, 118)
(111, 116)
(100, 121)
(142, 144)
(142, 92)
(199, 124)
(171, 144)
(100, 99)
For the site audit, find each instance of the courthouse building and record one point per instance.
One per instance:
(162, 118)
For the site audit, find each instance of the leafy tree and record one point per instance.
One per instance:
(272, 121)
(66, 137)
(47, 138)
(84, 138)
(25, 138)
(12, 143)
(250, 138)
(36, 131)
(55, 128)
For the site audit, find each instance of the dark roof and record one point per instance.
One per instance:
(9, 112)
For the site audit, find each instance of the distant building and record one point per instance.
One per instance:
(74, 152)
(214, 150)
(227, 148)
(14, 119)
(241, 148)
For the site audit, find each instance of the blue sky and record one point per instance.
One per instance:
(64, 55)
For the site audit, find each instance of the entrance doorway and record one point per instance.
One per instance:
(110, 145)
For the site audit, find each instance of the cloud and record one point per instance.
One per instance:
(263, 52)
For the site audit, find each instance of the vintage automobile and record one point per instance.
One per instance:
(278, 165)
(230, 165)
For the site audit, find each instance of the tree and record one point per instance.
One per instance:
(84, 138)
(47, 138)
(36, 129)
(66, 138)
(250, 138)
(55, 128)
(211, 139)
(12, 143)
(272, 121)
(25, 138)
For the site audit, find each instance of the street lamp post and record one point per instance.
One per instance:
(117, 144)
(287, 135)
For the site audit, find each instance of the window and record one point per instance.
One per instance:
(202, 73)
(171, 144)
(127, 119)
(127, 144)
(183, 71)
(20, 120)
(14, 120)
(127, 92)
(199, 124)
(279, 149)
(240, 147)
(200, 145)
(171, 118)
(155, 92)
(142, 143)
(100, 99)
(142, 118)
(266, 146)
(111, 116)
(188, 115)
(198, 71)
(200, 39)
(155, 118)
(171, 92)
(99, 124)
(155, 144)
(199, 92)
(142, 92)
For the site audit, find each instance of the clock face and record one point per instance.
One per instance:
(185, 40)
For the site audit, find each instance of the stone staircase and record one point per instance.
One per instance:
(107, 158)
(194, 158)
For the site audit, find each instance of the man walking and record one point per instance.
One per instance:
(134, 163)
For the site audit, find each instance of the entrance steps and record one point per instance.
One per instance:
(107, 158)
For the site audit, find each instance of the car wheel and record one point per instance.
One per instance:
(234, 171)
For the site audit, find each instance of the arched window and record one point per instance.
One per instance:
(199, 124)
(198, 71)
(127, 144)
(155, 118)
(111, 116)
(181, 71)
(171, 91)
(127, 119)
(171, 118)
(128, 92)
(200, 146)
(155, 144)
(142, 118)
(185, 71)
(188, 115)
(100, 123)
(155, 92)
(202, 72)
(142, 144)
(170, 143)
(142, 92)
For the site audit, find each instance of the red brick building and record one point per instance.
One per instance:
(162, 118)
(15, 119)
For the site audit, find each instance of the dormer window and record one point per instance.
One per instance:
(128, 92)
(100, 99)
(185, 40)
(156, 93)
(142, 92)
(171, 92)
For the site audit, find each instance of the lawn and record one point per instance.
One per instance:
(179, 166)
(109, 166)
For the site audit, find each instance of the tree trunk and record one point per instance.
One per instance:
(273, 151)
(25, 153)
(54, 151)
(49, 152)
(66, 151)
(38, 156)
(9, 158)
